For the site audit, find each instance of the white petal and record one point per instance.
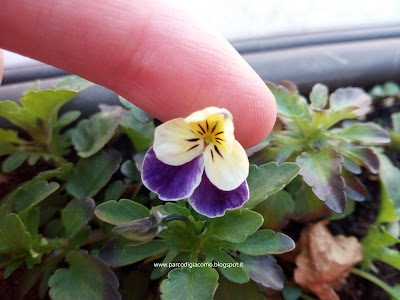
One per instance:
(218, 120)
(226, 169)
(175, 144)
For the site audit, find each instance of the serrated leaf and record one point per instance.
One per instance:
(189, 284)
(45, 104)
(125, 210)
(389, 177)
(319, 96)
(350, 97)
(92, 134)
(116, 254)
(14, 239)
(33, 194)
(289, 103)
(93, 173)
(18, 115)
(77, 214)
(14, 161)
(386, 90)
(72, 83)
(86, 278)
(276, 210)
(285, 153)
(367, 133)
(235, 274)
(308, 207)
(268, 179)
(228, 290)
(236, 225)
(321, 171)
(9, 135)
(264, 270)
(138, 113)
(265, 242)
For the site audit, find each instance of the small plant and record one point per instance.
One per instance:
(95, 225)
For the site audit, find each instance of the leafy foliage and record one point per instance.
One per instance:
(312, 137)
(89, 213)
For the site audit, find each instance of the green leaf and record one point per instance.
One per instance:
(161, 270)
(268, 179)
(289, 103)
(363, 156)
(68, 118)
(114, 190)
(388, 89)
(12, 267)
(92, 134)
(72, 83)
(171, 208)
(319, 96)
(125, 210)
(292, 292)
(276, 210)
(129, 169)
(395, 121)
(232, 291)
(321, 171)
(14, 239)
(354, 189)
(34, 194)
(45, 104)
(354, 98)
(389, 177)
(389, 256)
(189, 284)
(31, 220)
(77, 214)
(86, 278)
(18, 115)
(14, 161)
(367, 133)
(226, 227)
(139, 114)
(7, 148)
(141, 135)
(377, 238)
(93, 173)
(265, 242)
(9, 135)
(235, 273)
(264, 270)
(116, 254)
(308, 207)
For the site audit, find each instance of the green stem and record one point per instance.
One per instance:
(375, 280)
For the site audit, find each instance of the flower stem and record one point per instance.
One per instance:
(387, 288)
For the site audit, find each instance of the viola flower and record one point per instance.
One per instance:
(198, 158)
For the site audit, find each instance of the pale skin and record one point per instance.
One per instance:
(162, 60)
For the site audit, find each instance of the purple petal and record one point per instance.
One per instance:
(171, 182)
(210, 201)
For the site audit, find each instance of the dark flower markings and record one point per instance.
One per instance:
(202, 129)
(217, 150)
(214, 127)
(193, 147)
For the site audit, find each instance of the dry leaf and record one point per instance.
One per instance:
(325, 260)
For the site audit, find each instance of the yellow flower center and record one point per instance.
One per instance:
(211, 130)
